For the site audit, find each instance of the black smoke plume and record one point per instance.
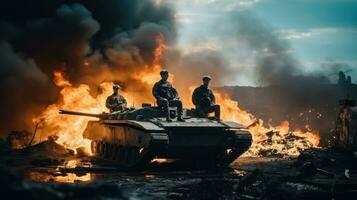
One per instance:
(40, 37)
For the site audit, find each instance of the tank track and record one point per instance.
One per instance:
(240, 144)
(129, 157)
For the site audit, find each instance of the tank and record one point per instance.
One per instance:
(135, 137)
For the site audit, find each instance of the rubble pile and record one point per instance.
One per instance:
(14, 186)
(315, 174)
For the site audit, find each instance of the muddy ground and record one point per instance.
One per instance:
(49, 171)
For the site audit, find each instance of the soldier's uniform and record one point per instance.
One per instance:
(116, 102)
(166, 95)
(205, 102)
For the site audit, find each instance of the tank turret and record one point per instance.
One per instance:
(133, 138)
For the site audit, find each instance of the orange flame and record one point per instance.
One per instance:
(159, 51)
(279, 139)
(67, 178)
(69, 128)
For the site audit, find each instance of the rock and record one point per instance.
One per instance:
(175, 196)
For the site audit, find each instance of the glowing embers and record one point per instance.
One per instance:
(141, 150)
(162, 161)
(149, 176)
(229, 151)
(60, 178)
(71, 164)
(267, 139)
(72, 178)
(238, 172)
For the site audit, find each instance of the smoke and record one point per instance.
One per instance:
(275, 63)
(89, 41)
(96, 41)
(21, 84)
(308, 100)
(188, 70)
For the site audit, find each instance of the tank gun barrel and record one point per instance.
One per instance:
(69, 112)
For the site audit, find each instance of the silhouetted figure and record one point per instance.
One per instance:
(116, 102)
(166, 95)
(205, 101)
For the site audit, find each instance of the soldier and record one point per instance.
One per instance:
(116, 102)
(166, 95)
(205, 101)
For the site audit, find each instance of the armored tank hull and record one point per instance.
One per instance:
(134, 138)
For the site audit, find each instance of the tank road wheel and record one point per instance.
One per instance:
(106, 152)
(100, 149)
(134, 156)
(112, 151)
(120, 155)
(93, 146)
(126, 159)
(203, 163)
(131, 158)
(116, 153)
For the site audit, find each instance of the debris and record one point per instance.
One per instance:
(45, 162)
(49, 149)
(249, 179)
(307, 170)
(326, 173)
(347, 173)
(19, 139)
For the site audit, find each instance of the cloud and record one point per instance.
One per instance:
(219, 5)
(293, 34)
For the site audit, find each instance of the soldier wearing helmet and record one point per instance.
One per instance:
(204, 100)
(116, 102)
(166, 95)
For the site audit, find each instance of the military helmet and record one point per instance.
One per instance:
(116, 87)
(162, 72)
(206, 77)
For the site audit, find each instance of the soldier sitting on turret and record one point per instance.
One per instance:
(116, 102)
(166, 95)
(205, 101)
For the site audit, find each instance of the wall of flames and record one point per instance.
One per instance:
(68, 129)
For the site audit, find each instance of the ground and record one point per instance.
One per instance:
(49, 171)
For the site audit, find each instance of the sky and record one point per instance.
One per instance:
(320, 34)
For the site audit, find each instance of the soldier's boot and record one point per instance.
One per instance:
(168, 118)
(217, 113)
(180, 119)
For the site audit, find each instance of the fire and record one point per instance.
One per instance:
(72, 178)
(69, 128)
(277, 139)
(71, 164)
(65, 178)
(159, 51)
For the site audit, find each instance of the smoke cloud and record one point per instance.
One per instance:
(90, 41)
(275, 63)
